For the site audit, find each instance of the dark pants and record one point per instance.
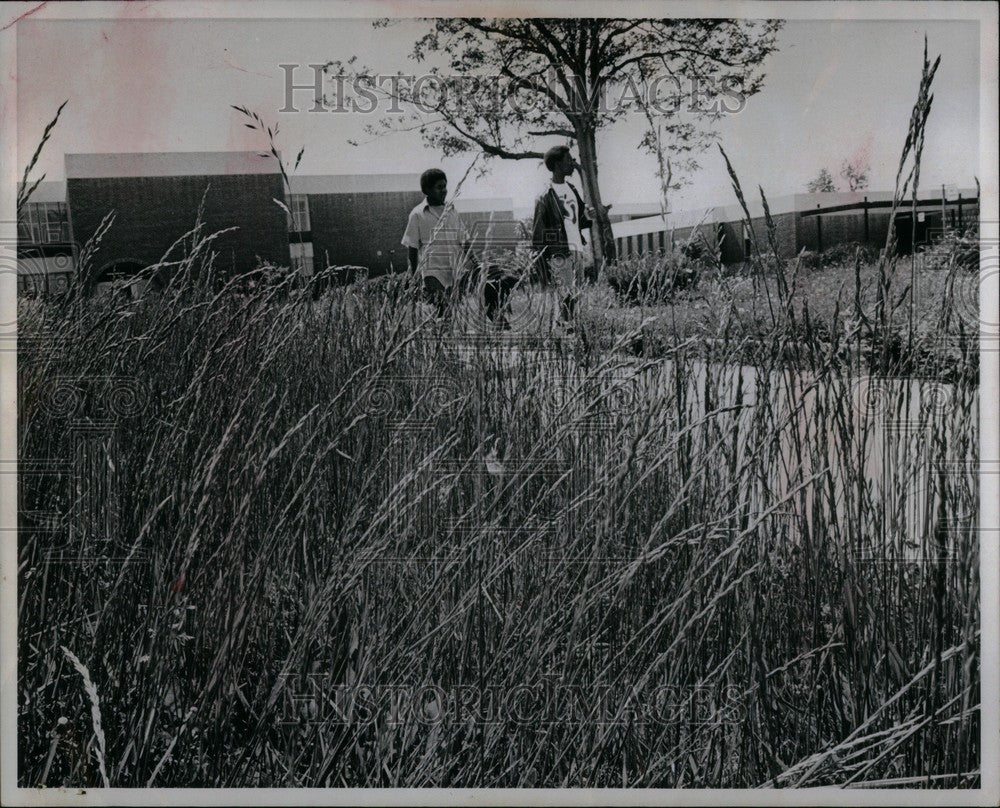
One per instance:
(566, 273)
(437, 294)
(567, 307)
(496, 296)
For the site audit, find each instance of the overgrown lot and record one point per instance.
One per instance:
(331, 543)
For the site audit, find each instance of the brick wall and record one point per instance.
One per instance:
(706, 233)
(731, 236)
(878, 229)
(361, 229)
(786, 237)
(153, 212)
(794, 232)
(641, 243)
(842, 228)
(785, 234)
(493, 236)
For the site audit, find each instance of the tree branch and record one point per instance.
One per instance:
(495, 150)
(563, 132)
(553, 41)
(617, 32)
(663, 55)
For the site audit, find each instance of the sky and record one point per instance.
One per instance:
(833, 89)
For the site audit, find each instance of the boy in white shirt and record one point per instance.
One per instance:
(436, 241)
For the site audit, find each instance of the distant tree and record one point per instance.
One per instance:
(855, 173)
(823, 183)
(571, 78)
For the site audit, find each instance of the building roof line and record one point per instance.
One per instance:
(802, 204)
(168, 164)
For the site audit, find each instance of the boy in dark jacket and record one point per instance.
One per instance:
(561, 231)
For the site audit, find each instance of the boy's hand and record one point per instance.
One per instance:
(467, 278)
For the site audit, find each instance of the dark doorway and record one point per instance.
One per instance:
(115, 279)
(910, 234)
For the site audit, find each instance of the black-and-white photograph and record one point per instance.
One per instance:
(463, 400)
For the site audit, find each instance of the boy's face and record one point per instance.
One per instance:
(437, 193)
(567, 164)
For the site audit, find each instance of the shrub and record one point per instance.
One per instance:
(652, 277)
(844, 254)
(693, 250)
(388, 286)
(810, 260)
(958, 248)
(701, 253)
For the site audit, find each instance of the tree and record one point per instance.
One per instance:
(823, 183)
(513, 81)
(855, 172)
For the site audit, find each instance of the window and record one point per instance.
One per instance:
(298, 206)
(43, 223)
(27, 224)
(302, 258)
(56, 223)
(26, 234)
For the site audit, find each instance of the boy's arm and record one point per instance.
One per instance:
(411, 240)
(467, 272)
(469, 258)
(539, 230)
(585, 221)
(469, 261)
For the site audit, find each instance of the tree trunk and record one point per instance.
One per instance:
(604, 241)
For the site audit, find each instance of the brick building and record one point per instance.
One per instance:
(352, 220)
(813, 222)
(337, 220)
(358, 220)
(156, 198)
(45, 250)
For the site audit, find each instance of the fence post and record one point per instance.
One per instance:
(865, 208)
(959, 211)
(819, 232)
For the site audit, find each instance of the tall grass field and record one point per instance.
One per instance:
(269, 540)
